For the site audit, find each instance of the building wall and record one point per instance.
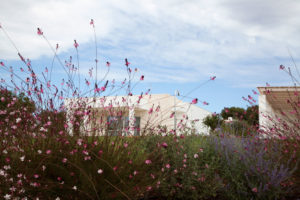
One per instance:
(142, 108)
(279, 107)
(266, 112)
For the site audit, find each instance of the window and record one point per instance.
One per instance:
(118, 125)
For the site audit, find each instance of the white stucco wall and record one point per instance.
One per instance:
(265, 112)
(162, 117)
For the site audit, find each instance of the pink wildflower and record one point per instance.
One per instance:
(254, 189)
(100, 171)
(39, 31)
(172, 114)
(126, 62)
(92, 22)
(205, 103)
(75, 44)
(164, 144)
(148, 162)
(194, 101)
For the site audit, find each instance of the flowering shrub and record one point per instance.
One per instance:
(252, 168)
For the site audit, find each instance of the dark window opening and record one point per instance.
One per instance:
(118, 125)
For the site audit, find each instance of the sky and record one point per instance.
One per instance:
(175, 44)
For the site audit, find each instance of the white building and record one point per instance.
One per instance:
(278, 104)
(135, 115)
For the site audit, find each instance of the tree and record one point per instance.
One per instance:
(234, 112)
(213, 121)
(252, 115)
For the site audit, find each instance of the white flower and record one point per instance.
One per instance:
(13, 189)
(100, 171)
(4, 151)
(57, 198)
(2, 172)
(14, 127)
(6, 167)
(79, 142)
(43, 129)
(39, 151)
(22, 158)
(18, 120)
(196, 155)
(7, 196)
(74, 187)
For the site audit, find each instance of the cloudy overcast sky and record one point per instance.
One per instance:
(176, 44)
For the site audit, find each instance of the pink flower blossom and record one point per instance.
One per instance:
(39, 31)
(168, 166)
(126, 62)
(100, 171)
(14, 127)
(254, 190)
(213, 78)
(75, 44)
(194, 101)
(205, 103)
(148, 162)
(164, 144)
(92, 22)
(172, 114)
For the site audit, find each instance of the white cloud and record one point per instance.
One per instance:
(173, 40)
